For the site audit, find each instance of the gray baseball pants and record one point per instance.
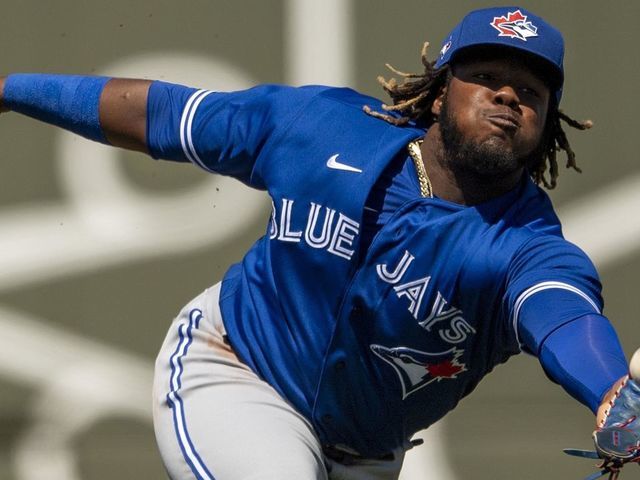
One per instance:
(215, 419)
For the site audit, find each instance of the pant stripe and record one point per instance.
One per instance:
(175, 402)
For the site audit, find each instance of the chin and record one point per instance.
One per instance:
(491, 159)
(495, 156)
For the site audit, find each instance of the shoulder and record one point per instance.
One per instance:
(543, 254)
(546, 247)
(349, 97)
(335, 99)
(286, 93)
(542, 241)
(533, 212)
(550, 259)
(330, 113)
(310, 103)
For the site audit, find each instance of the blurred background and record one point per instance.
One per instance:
(99, 248)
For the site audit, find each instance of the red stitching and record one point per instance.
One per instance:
(615, 395)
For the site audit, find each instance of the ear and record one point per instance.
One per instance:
(436, 107)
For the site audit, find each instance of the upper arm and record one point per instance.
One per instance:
(217, 131)
(551, 282)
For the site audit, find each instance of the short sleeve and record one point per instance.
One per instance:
(562, 280)
(221, 132)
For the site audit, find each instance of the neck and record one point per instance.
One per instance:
(464, 188)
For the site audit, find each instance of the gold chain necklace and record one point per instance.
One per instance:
(425, 184)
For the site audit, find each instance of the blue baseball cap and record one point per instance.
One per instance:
(512, 27)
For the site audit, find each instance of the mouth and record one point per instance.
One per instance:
(505, 121)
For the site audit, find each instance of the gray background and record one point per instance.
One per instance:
(514, 425)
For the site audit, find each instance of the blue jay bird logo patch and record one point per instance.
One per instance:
(417, 369)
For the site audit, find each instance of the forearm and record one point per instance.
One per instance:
(576, 345)
(220, 132)
(585, 357)
(112, 111)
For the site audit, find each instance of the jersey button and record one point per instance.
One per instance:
(326, 418)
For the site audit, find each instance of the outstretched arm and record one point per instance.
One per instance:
(220, 132)
(122, 112)
(576, 345)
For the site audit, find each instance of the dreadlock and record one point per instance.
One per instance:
(413, 98)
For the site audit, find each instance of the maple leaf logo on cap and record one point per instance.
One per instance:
(515, 25)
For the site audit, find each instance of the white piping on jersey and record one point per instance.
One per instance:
(191, 456)
(539, 288)
(186, 123)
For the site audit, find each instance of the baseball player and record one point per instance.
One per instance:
(409, 251)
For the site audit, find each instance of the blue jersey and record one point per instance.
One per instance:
(370, 342)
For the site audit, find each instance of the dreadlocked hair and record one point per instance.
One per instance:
(413, 98)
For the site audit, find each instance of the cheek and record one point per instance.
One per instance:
(533, 119)
(465, 116)
(535, 122)
(473, 110)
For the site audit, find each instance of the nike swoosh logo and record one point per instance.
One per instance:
(336, 165)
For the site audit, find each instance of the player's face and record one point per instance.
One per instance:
(492, 115)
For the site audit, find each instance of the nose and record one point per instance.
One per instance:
(506, 95)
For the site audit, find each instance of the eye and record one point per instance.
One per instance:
(483, 76)
(530, 91)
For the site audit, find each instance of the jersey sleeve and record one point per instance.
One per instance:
(554, 300)
(221, 132)
(564, 283)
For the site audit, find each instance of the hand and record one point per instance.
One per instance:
(617, 434)
(607, 401)
(617, 437)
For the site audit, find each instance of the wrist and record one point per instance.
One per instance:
(68, 101)
(607, 401)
